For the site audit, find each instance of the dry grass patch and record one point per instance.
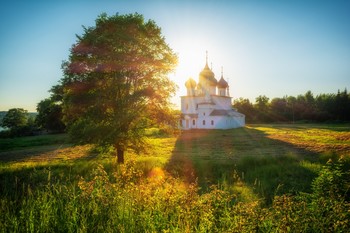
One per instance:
(314, 138)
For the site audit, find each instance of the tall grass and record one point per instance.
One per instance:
(126, 201)
(224, 181)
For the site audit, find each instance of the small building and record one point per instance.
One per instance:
(208, 104)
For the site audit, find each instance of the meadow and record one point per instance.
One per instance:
(260, 178)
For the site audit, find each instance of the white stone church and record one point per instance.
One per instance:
(208, 104)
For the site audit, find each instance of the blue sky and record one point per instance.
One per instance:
(271, 48)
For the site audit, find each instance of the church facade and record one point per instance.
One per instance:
(208, 104)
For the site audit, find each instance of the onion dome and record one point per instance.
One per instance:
(207, 76)
(222, 83)
(190, 83)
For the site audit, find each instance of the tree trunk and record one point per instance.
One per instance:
(120, 155)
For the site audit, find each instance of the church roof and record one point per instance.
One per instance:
(219, 112)
(222, 112)
(222, 83)
(206, 76)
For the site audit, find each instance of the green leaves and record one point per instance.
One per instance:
(333, 181)
(14, 118)
(116, 71)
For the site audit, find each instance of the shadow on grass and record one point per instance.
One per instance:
(22, 171)
(267, 166)
(33, 153)
(49, 153)
(25, 142)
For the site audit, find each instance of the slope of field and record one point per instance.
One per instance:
(269, 159)
(197, 180)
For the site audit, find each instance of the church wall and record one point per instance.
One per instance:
(222, 102)
(209, 122)
(219, 122)
(213, 122)
(222, 91)
(188, 104)
(189, 123)
(191, 92)
(223, 122)
(212, 90)
(227, 122)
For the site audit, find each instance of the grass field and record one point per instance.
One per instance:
(179, 175)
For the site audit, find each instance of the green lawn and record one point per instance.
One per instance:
(255, 164)
(268, 159)
(7, 144)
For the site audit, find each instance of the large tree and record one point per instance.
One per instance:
(115, 82)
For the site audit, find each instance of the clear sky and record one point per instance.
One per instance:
(272, 48)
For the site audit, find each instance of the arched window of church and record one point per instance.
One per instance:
(203, 113)
(193, 122)
(203, 122)
(212, 122)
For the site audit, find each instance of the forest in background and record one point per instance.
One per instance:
(306, 108)
(331, 108)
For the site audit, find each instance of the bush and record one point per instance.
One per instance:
(333, 181)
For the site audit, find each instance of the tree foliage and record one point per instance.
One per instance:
(50, 115)
(245, 106)
(115, 82)
(19, 122)
(307, 107)
(15, 118)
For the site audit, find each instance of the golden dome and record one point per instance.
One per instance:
(190, 83)
(207, 76)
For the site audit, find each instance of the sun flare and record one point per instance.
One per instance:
(192, 58)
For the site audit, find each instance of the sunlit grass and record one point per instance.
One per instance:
(268, 155)
(198, 181)
(315, 138)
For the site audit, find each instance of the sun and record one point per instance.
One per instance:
(192, 58)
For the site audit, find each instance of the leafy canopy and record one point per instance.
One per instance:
(15, 118)
(50, 115)
(115, 81)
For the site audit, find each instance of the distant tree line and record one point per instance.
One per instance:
(328, 108)
(17, 122)
(303, 108)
